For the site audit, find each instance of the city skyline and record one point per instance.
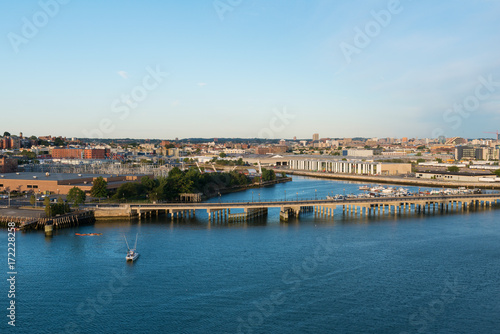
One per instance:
(372, 69)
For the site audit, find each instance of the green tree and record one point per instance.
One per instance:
(129, 190)
(6, 134)
(439, 160)
(148, 183)
(268, 174)
(77, 196)
(420, 160)
(497, 172)
(46, 202)
(99, 188)
(59, 142)
(222, 155)
(32, 200)
(419, 154)
(453, 169)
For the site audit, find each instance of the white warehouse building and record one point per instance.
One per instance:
(350, 167)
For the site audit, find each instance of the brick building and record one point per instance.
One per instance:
(7, 165)
(279, 149)
(81, 153)
(9, 143)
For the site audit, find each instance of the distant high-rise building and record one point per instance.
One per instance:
(316, 137)
(441, 139)
(294, 138)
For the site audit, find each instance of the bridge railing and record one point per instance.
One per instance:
(302, 200)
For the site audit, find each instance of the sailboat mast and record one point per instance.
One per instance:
(126, 242)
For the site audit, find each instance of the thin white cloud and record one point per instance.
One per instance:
(202, 84)
(123, 74)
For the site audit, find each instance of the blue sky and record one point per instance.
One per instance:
(250, 68)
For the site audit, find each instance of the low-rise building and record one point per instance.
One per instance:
(463, 177)
(7, 165)
(351, 166)
(59, 183)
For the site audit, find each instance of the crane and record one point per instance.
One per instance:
(497, 133)
(197, 165)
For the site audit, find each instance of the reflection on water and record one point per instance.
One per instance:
(199, 277)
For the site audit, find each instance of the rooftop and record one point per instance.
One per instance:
(49, 177)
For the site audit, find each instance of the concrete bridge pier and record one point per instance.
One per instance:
(284, 214)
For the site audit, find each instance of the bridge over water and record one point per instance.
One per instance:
(325, 207)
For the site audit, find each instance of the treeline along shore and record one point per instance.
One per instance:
(178, 183)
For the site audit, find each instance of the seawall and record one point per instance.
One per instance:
(392, 180)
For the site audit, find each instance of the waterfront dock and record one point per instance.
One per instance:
(32, 222)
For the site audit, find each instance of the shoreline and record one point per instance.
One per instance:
(391, 180)
(236, 189)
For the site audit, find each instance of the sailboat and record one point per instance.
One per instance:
(132, 254)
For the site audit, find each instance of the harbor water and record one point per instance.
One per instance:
(432, 273)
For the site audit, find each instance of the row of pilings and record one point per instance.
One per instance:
(388, 208)
(423, 207)
(48, 224)
(214, 215)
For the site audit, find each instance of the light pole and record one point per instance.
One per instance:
(285, 195)
(297, 196)
(252, 195)
(259, 197)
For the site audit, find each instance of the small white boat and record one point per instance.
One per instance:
(377, 189)
(132, 254)
(364, 188)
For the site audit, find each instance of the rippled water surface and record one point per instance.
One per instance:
(413, 274)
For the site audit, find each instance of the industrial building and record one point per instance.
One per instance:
(351, 167)
(464, 177)
(60, 183)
